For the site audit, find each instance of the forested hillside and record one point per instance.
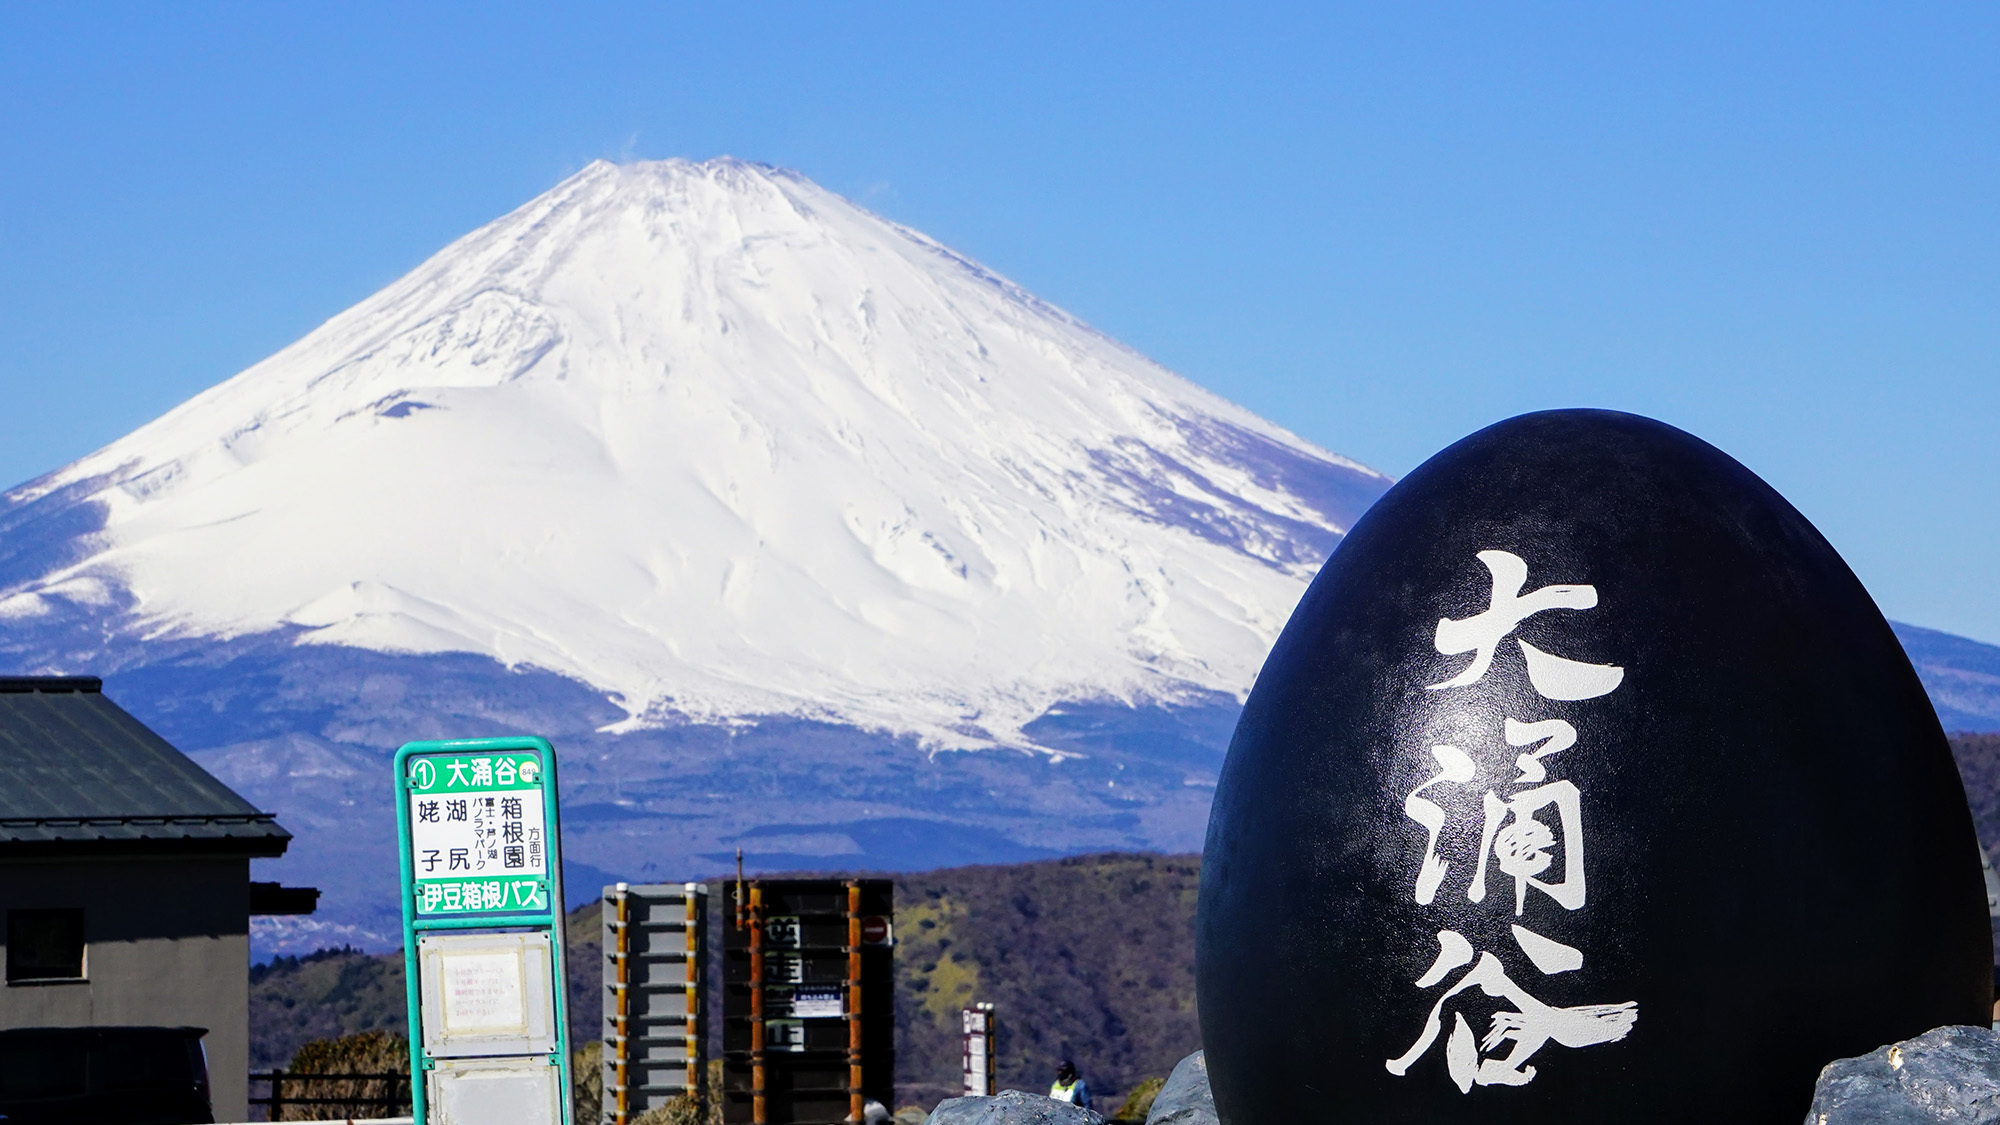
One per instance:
(1090, 958)
(1979, 764)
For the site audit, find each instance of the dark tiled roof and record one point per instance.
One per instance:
(79, 774)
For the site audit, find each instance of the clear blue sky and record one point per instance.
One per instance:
(1383, 227)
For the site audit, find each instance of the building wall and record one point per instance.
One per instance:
(166, 943)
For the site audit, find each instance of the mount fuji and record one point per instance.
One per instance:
(795, 530)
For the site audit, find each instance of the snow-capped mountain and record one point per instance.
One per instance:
(795, 531)
(719, 443)
(799, 529)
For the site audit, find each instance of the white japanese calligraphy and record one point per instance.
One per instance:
(1553, 676)
(1515, 839)
(1453, 766)
(1530, 1027)
(1522, 843)
(1554, 735)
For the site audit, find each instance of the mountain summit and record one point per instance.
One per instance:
(795, 531)
(723, 446)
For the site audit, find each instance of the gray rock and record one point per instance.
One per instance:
(1011, 1107)
(1949, 1074)
(1185, 1099)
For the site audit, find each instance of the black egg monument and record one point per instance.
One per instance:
(1586, 783)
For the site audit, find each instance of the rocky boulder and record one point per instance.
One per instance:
(1949, 1074)
(1185, 1099)
(1011, 1107)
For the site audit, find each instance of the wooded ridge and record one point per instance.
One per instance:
(1089, 958)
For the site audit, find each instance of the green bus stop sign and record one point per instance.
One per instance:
(478, 837)
(483, 951)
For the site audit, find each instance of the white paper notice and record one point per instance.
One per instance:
(483, 993)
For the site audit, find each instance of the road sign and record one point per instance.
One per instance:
(809, 1016)
(979, 1059)
(483, 951)
(478, 833)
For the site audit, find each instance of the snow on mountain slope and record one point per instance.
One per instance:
(721, 444)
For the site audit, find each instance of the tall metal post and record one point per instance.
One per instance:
(696, 1080)
(854, 1099)
(623, 999)
(756, 914)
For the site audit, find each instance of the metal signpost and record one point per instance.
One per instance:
(978, 1025)
(481, 856)
(655, 966)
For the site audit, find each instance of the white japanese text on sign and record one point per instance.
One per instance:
(1526, 819)
(477, 833)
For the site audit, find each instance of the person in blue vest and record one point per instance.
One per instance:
(1069, 1088)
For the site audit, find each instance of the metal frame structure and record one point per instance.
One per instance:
(655, 968)
(817, 950)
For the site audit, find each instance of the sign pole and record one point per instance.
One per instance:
(979, 1062)
(479, 846)
(855, 1099)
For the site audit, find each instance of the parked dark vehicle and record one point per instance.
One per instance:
(104, 1076)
